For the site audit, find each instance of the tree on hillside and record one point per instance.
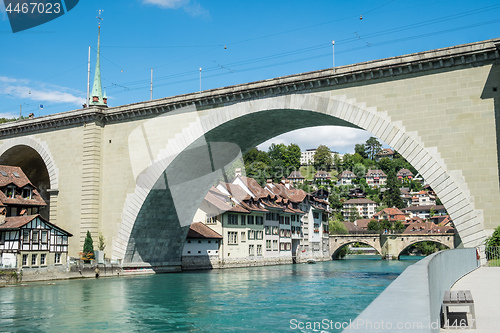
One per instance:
(258, 171)
(386, 165)
(347, 162)
(359, 170)
(291, 157)
(392, 194)
(323, 158)
(361, 150)
(335, 202)
(373, 225)
(276, 154)
(372, 146)
(337, 163)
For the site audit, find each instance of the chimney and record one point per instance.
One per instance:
(237, 172)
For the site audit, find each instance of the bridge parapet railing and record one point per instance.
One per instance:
(493, 255)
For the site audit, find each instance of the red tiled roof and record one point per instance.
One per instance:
(295, 175)
(222, 202)
(385, 151)
(199, 230)
(398, 215)
(375, 173)
(236, 191)
(16, 222)
(20, 181)
(346, 174)
(363, 223)
(351, 226)
(426, 228)
(359, 201)
(254, 187)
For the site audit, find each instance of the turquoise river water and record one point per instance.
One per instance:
(287, 298)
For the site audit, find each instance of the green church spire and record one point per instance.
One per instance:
(97, 96)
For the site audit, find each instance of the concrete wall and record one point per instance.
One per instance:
(412, 302)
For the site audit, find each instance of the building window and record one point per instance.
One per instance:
(275, 245)
(232, 219)
(33, 259)
(244, 237)
(287, 220)
(251, 234)
(250, 249)
(268, 230)
(268, 244)
(259, 249)
(259, 220)
(211, 220)
(243, 219)
(275, 230)
(44, 237)
(10, 192)
(250, 219)
(260, 234)
(232, 237)
(35, 236)
(42, 259)
(26, 193)
(2, 237)
(26, 236)
(25, 260)
(57, 258)
(316, 215)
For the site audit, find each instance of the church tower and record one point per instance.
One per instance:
(97, 97)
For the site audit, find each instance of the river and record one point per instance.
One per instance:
(286, 298)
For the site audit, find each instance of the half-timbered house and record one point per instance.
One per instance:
(26, 238)
(31, 241)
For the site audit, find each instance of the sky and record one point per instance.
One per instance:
(232, 42)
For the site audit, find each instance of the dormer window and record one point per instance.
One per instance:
(27, 193)
(10, 192)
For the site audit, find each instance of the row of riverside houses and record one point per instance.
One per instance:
(27, 240)
(243, 224)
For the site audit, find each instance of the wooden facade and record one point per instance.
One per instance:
(33, 241)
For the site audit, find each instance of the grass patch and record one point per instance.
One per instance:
(494, 263)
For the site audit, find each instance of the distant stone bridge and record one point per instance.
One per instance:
(388, 245)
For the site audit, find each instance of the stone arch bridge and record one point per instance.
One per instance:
(137, 173)
(389, 246)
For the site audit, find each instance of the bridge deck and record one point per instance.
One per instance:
(483, 284)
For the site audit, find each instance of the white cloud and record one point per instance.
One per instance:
(193, 8)
(38, 91)
(337, 138)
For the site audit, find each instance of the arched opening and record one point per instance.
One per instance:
(32, 164)
(183, 178)
(422, 248)
(343, 251)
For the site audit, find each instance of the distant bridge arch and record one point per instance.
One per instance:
(337, 242)
(389, 246)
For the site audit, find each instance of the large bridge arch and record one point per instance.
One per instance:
(192, 160)
(35, 159)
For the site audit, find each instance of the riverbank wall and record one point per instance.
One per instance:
(207, 262)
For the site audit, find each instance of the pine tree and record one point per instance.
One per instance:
(88, 247)
(392, 194)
